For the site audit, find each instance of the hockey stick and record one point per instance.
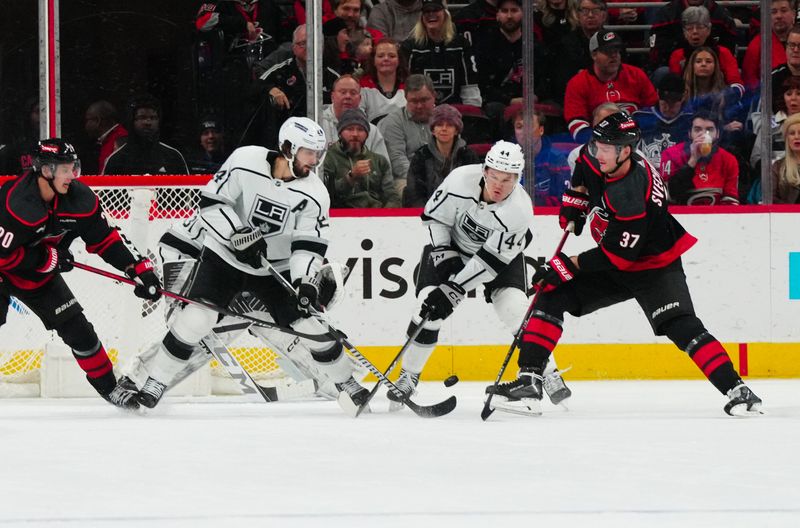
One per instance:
(212, 307)
(430, 411)
(487, 409)
(235, 370)
(391, 366)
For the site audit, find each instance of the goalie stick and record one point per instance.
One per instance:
(429, 411)
(487, 408)
(391, 366)
(212, 307)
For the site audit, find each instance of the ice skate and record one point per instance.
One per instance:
(122, 397)
(351, 396)
(127, 383)
(151, 393)
(556, 388)
(743, 402)
(521, 396)
(407, 383)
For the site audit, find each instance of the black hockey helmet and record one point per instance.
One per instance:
(54, 151)
(617, 129)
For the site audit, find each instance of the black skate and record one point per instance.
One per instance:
(151, 393)
(521, 396)
(555, 388)
(126, 383)
(351, 396)
(122, 397)
(407, 383)
(743, 402)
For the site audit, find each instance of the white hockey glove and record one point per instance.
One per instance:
(249, 246)
(330, 279)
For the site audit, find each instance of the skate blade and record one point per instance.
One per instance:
(395, 406)
(741, 410)
(347, 404)
(524, 407)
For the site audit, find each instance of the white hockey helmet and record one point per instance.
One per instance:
(505, 156)
(301, 132)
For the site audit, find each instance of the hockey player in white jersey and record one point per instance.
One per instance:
(479, 222)
(250, 216)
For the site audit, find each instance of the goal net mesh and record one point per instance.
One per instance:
(143, 207)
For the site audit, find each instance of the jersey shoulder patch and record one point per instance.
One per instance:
(23, 200)
(79, 201)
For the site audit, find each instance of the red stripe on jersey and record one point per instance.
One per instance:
(11, 211)
(681, 246)
(710, 357)
(102, 246)
(586, 159)
(82, 215)
(11, 261)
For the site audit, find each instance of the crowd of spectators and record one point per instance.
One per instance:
(409, 86)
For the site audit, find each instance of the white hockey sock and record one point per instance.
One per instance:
(165, 366)
(416, 356)
(339, 370)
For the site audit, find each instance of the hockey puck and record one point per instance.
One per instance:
(452, 380)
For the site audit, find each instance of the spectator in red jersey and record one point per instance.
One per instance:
(783, 14)
(383, 82)
(696, 22)
(666, 33)
(103, 127)
(607, 80)
(699, 171)
(572, 54)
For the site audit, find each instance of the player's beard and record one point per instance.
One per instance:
(300, 171)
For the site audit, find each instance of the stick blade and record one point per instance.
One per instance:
(433, 411)
(486, 412)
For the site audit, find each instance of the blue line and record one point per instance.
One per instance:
(794, 276)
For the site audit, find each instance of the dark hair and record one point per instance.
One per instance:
(402, 65)
(707, 115)
(790, 83)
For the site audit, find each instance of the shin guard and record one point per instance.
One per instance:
(540, 337)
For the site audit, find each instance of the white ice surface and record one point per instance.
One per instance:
(645, 454)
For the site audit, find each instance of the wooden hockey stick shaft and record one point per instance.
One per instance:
(212, 307)
(487, 409)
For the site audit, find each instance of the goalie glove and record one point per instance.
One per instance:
(559, 270)
(148, 286)
(440, 303)
(249, 246)
(447, 262)
(330, 279)
(307, 294)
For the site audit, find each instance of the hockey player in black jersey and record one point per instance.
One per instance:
(43, 212)
(638, 256)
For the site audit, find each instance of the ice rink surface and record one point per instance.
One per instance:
(644, 454)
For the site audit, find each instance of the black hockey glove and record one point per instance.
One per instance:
(447, 262)
(574, 207)
(554, 273)
(249, 246)
(307, 294)
(441, 302)
(150, 287)
(56, 260)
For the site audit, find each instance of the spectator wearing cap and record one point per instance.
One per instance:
(666, 123)
(666, 32)
(102, 125)
(783, 14)
(445, 151)
(607, 80)
(395, 18)
(143, 153)
(500, 64)
(696, 22)
(212, 152)
(356, 176)
(699, 171)
(436, 50)
(406, 129)
(337, 52)
(346, 94)
(572, 54)
(551, 171)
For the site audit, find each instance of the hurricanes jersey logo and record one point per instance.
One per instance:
(270, 217)
(475, 231)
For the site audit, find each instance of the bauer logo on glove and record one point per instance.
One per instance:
(559, 270)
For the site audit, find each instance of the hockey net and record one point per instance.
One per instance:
(143, 207)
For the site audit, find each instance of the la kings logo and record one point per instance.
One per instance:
(270, 217)
(473, 229)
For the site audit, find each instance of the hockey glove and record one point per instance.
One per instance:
(56, 260)
(441, 302)
(447, 262)
(249, 246)
(307, 294)
(574, 206)
(150, 287)
(557, 271)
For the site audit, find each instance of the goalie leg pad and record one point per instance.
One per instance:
(337, 367)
